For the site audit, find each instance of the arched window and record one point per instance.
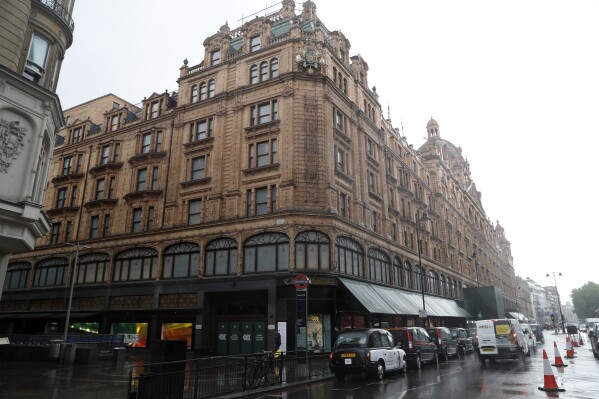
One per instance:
(93, 268)
(349, 256)
(433, 282)
(203, 91)
(264, 71)
(136, 264)
(266, 253)
(378, 265)
(17, 275)
(418, 276)
(211, 88)
(397, 272)
(443, 285)
(254, 74)
(194, 93)
(312, 251)
(221, 257)
(274, 68)
(408, 281)
(181, 260)
(451, 285)
(50, 272)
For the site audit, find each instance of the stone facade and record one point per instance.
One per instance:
(273, 158)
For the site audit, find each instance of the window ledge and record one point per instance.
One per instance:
(142, 194)
(267, 125)
(67, 178)
(199, 144)
(190, 183)
(62, 211)
(147, 157)
(100, 203)
(252, 171)
(106, 168)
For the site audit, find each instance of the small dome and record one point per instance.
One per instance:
(432, 122)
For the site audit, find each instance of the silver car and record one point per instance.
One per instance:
(530, 337)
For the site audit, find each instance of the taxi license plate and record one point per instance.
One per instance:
(348, 355)
(487, 349)
(347, 361)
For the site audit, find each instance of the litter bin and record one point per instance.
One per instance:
(55, 348)
(119, 354)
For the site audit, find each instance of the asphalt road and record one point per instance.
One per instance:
(468, 378)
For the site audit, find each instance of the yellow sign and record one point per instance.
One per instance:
(502, 328)
(348, 355)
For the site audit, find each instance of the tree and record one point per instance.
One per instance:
(586, 300)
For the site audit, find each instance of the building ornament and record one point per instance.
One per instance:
(11, 142)
(310, 58)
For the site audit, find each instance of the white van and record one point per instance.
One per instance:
(500, 339)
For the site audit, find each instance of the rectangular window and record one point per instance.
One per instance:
(155, 178)
(150, 221)
(370, 148)
(254, 43)
(371, 182)
(342, 204)
(273, 199)
(74, 196)
(114, 123)
(198, 168)
(263, 153)
(36, 60)
(66, 165)
(375, 219)
(76, 135)
(105, 155)
(55, 237)
(79, 166)
(136, 225)
(215, 57)
(264, 113)
(261, 201)
(146, 141)
(194, 212)
(67, 232)
(249, 203)
(141, 179)
(94, 225)
(340, 122)
(106, 227)
(111, 188)
(61, 198)
(159, 141)
(201, 130)
(115, 154)
(100, 189)
(154, 110)
(340, 160)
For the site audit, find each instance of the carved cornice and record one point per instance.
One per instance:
(62, 211)
(106, 168)
(142, 195)
(146, 158)
(68, 178)
(100, 203)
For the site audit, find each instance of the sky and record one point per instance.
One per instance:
(514, 83)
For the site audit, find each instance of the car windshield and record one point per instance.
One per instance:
(400, 337)
(471, 332)
(351, 339)
(534, 328)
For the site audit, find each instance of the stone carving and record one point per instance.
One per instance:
(310, 58)
(11, 142)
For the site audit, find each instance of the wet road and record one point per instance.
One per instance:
(468, 378)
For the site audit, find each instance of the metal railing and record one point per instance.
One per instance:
(218, 376)
(60, 11)
(44, 339)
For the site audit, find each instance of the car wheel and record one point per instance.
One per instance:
(418, 362)
(379, 372)
(404, 365)
(436, 358)
(340, 376)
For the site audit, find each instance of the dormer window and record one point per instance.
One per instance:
(114, 123)
(154, 110)
(254, 43)
(215, 57)
(77, 135)
(37, 58)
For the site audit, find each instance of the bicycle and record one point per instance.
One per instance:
(263, 370)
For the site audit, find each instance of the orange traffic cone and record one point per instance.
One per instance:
(580, 341)
(569, 349)
(558, 358)
(574, 342)
(550, 383)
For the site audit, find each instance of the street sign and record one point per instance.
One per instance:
(422, 314)
(301, 282)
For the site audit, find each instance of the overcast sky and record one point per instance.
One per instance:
(515, 83)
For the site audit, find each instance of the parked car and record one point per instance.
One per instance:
(594, 338)
(371, 351)
(530, 336)
(538, 332)
(473, 336)
(447, 346)
(464, 341)
(417, 344)
(501, 339)
(591, 326)
(582, 327)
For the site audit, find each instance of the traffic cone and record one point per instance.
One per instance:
(574, 342)
(569, 349)
(550, 383)
(558, 358)
(580, 341)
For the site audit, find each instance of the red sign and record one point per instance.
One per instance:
(301, 282)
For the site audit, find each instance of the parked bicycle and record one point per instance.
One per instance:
(265, 370)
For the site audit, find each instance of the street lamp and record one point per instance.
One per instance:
(480, 311)
(559, 302)
(73, 278)
(419, 219)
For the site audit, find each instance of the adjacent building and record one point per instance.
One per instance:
(194, 210)
(35, 35)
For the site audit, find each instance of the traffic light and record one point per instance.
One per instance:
(552, 318)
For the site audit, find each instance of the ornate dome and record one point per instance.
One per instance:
(432, 122)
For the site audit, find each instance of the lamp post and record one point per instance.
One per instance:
(73, 278)
(480, 312)
(559, 302)
(419, 219)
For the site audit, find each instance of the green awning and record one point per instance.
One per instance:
(367, 296)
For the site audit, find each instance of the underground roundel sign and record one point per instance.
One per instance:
(301, 282)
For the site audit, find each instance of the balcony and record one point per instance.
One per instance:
(105, 168)
(59, 11)
(68, 177)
